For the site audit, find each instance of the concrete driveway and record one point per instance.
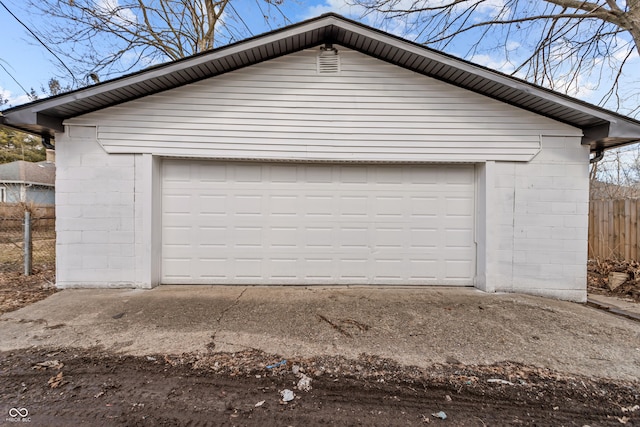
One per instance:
(416, 326)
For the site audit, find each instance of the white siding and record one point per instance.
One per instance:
(284, 109)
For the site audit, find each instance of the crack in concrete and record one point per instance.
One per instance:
(212, 344)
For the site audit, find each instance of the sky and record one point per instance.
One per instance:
(31, 65)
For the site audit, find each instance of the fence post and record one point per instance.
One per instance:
(27, 243)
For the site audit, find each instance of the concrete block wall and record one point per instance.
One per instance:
(542, 220)
(95, 213)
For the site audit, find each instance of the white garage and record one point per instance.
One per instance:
(327, 152)
(270, 223)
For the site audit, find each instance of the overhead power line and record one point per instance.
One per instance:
(14, 79)
(40, 41)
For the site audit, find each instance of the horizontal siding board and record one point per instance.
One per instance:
(398, 122)
(363, 128)
(335, 157)
(113, 138)
(369, 111)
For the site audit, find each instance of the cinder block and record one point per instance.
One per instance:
(528, 220)
(118, 211)
(62, 198)
(527, 244)
(519, 257)
(533, 207)
(67, 211)
(570, 183)
(125, 224)
(121, 237)
(95, 159)
(575, 220)
(121, 186)
(563, 207)
(533, 182)
(94, 211)
(125, 161)
(121, 249)
(553, 272)
(537, 257)
(95, 237)
(69, 237)
(93, 261)
(537, 232)
(505, 181)
(566, 233)
(74, 275)
(67, 224)
(572, 270)
(555, 195)
(522, 272)
(123, 263)
(79, 187)
(77, 250)
(78, 199)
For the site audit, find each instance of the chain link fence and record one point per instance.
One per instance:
(37, 224)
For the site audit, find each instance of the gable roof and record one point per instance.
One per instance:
(603, 129)
(21, 172)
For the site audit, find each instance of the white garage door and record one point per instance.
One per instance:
(274, 223)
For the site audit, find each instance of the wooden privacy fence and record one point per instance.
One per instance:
(613, 229)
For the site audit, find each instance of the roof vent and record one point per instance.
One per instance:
(328, 60)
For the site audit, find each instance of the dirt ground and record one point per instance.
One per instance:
(70, 386)
(17, 290)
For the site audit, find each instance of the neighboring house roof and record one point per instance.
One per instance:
(602, 129)
(21, 172)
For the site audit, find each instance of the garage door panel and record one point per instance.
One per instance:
(212, 204)
(457, 238)
(318, 206)
(461, 179)
(284, 237)
(458, 206)
(284, 205)
(177, 204)
(250, 223)
(458, 269)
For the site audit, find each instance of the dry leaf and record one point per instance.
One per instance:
(55, 364)
(56, 381)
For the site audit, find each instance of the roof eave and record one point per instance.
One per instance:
(613, 134)
(32, 122)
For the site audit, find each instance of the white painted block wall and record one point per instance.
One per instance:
(541, 222)
(96, 219)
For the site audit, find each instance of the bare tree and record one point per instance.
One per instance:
(563, 39)
(103, 38)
